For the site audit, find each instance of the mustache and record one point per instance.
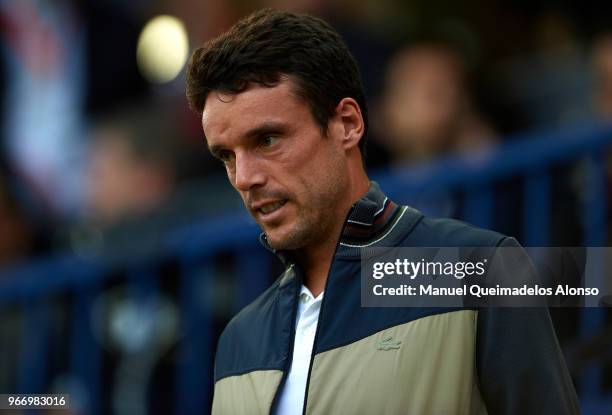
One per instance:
(254, 197)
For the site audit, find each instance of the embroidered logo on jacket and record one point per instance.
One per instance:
(388, 344)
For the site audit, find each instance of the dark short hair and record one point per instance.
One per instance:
(269, 43)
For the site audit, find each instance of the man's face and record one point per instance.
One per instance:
(423, 100)
(290, 175)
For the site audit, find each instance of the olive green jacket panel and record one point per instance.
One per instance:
(247, 394)
(425, 366)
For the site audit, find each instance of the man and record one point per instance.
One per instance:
(427, 107)
(283, 108)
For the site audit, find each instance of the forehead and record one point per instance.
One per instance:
(230, 115)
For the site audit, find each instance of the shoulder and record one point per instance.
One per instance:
(429, 231)
(249, 317)
(253, 330)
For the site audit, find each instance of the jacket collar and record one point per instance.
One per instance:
(367, 218)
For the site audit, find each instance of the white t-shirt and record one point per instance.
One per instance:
(292, 397)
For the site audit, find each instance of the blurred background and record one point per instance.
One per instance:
(123, 249)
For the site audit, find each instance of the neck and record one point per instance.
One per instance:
(316, 260)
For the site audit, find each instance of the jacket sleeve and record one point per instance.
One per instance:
(519, 363)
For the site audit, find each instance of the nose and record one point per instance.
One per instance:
(248, 172)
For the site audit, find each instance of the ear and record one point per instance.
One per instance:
(351, 122)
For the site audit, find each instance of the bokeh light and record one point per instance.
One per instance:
(162, 51)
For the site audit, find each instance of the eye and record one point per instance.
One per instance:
(269, 140)
(225, 156)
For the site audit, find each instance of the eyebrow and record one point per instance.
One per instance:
(267, 127)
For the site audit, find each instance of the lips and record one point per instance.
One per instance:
(269, 210)
(271, 207)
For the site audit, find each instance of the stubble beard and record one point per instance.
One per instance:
(316, 223)
(302, 234)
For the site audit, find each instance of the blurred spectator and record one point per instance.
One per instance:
(133, 165)
(550, 84)
(426, 107)
(140, 184)
(428, 111)
(42, 48)
(601, 61)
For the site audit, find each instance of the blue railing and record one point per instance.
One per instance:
(196, 248)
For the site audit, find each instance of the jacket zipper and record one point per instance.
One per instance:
(314, 343)
(291, 341)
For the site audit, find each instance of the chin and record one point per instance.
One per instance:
(278, 242)
(291, 237)
(285, 241)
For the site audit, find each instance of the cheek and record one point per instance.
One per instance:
(304, 166)
(324, 172)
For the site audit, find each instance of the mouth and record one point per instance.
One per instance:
(269, 211)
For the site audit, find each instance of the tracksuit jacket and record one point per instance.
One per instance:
(443, 361)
